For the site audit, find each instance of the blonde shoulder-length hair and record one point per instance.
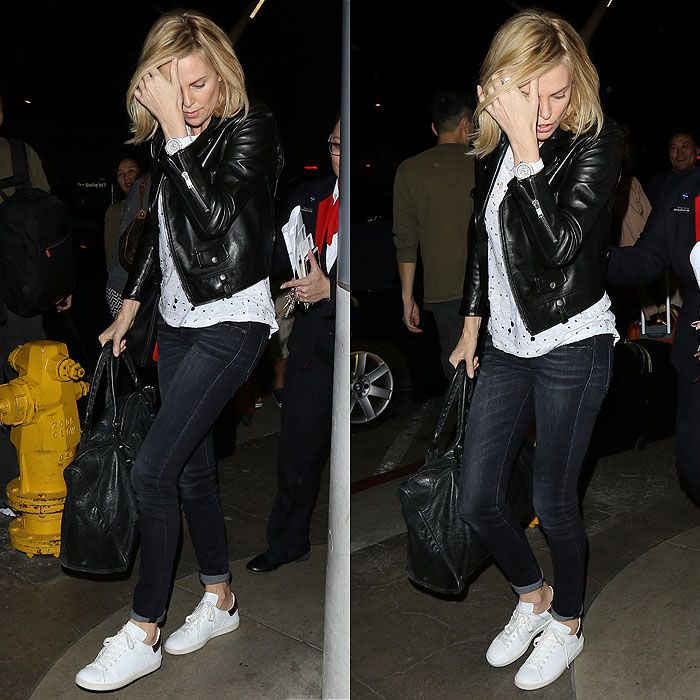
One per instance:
(526, 46)
(176, 35)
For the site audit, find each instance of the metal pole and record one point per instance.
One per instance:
(594, 20)
(336, 644)
(244, 20)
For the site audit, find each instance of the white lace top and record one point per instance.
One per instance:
(251, 304)
(506, 326)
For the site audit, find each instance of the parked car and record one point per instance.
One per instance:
(386, 359)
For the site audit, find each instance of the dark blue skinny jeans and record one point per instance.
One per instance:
(199, 370)
(563, 391)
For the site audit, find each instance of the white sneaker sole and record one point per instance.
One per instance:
(537, 686)
(194, 647)
(525, 648)
(104, 687)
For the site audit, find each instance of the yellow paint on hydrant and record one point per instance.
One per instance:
(41, 406)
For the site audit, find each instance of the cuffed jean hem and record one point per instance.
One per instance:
(564, 618)
(140, 618)
(210, 580)
(530, 588)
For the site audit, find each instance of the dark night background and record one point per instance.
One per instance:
(74, 62)
(646, 55)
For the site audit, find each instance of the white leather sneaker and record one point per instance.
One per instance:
(122, 659)
(513, 641)
(554, 651)
(205, 622)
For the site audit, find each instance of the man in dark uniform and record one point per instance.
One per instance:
(668, 237)
(305, 434)
(683, 153)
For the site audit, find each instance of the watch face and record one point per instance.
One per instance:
(523, 170)
(172, 146)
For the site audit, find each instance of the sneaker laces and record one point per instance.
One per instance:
(204, 609)
(546, 644)
(113, 648)
(517, 619)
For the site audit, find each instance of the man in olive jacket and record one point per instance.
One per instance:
(432, 207)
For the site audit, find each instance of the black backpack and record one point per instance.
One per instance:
(37, 267)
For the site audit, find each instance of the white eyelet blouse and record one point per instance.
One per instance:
(251, 304)
(506, 326)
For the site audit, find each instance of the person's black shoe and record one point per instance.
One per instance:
(268, 562)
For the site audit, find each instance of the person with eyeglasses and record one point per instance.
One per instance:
(305, 435)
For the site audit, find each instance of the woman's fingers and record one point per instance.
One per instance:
(535, 89)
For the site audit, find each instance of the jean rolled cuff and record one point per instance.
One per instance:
(212, 579)
(140, 618)
(528, 589)
(566, 618)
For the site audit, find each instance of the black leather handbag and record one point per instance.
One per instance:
(443, 550)
(100, 518)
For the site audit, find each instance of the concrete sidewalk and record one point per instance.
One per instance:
(642, 598)
(54, 622)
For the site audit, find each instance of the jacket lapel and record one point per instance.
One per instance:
(491, 165)
(554, 150)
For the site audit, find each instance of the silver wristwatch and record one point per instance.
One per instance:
(524, 170)
(172, 146)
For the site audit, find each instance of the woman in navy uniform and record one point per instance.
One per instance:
(305, 435)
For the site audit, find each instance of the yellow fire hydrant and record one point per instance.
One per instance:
(41, 405)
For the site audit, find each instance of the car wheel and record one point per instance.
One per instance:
(376, 383)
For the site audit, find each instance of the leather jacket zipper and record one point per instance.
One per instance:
(540, 213)
(190, 186)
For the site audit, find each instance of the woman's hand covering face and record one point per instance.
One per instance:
(513, 110)
(160, 92)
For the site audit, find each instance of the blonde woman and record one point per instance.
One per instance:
(216, 160)
(548, 163)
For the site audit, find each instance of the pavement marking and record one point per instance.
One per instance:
(394, 455)
(376, 479)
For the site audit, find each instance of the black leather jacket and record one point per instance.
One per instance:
(555, 228)
(218, 196)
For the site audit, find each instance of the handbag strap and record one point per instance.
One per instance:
(106, 360)
(95, 384)
(459, 392)
(142, 192)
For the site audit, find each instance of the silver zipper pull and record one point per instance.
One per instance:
(186, 178)
(190, 186)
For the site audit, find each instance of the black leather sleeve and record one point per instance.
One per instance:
(472, 294)
(557, 229)
(212, 206)
(144, 260)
